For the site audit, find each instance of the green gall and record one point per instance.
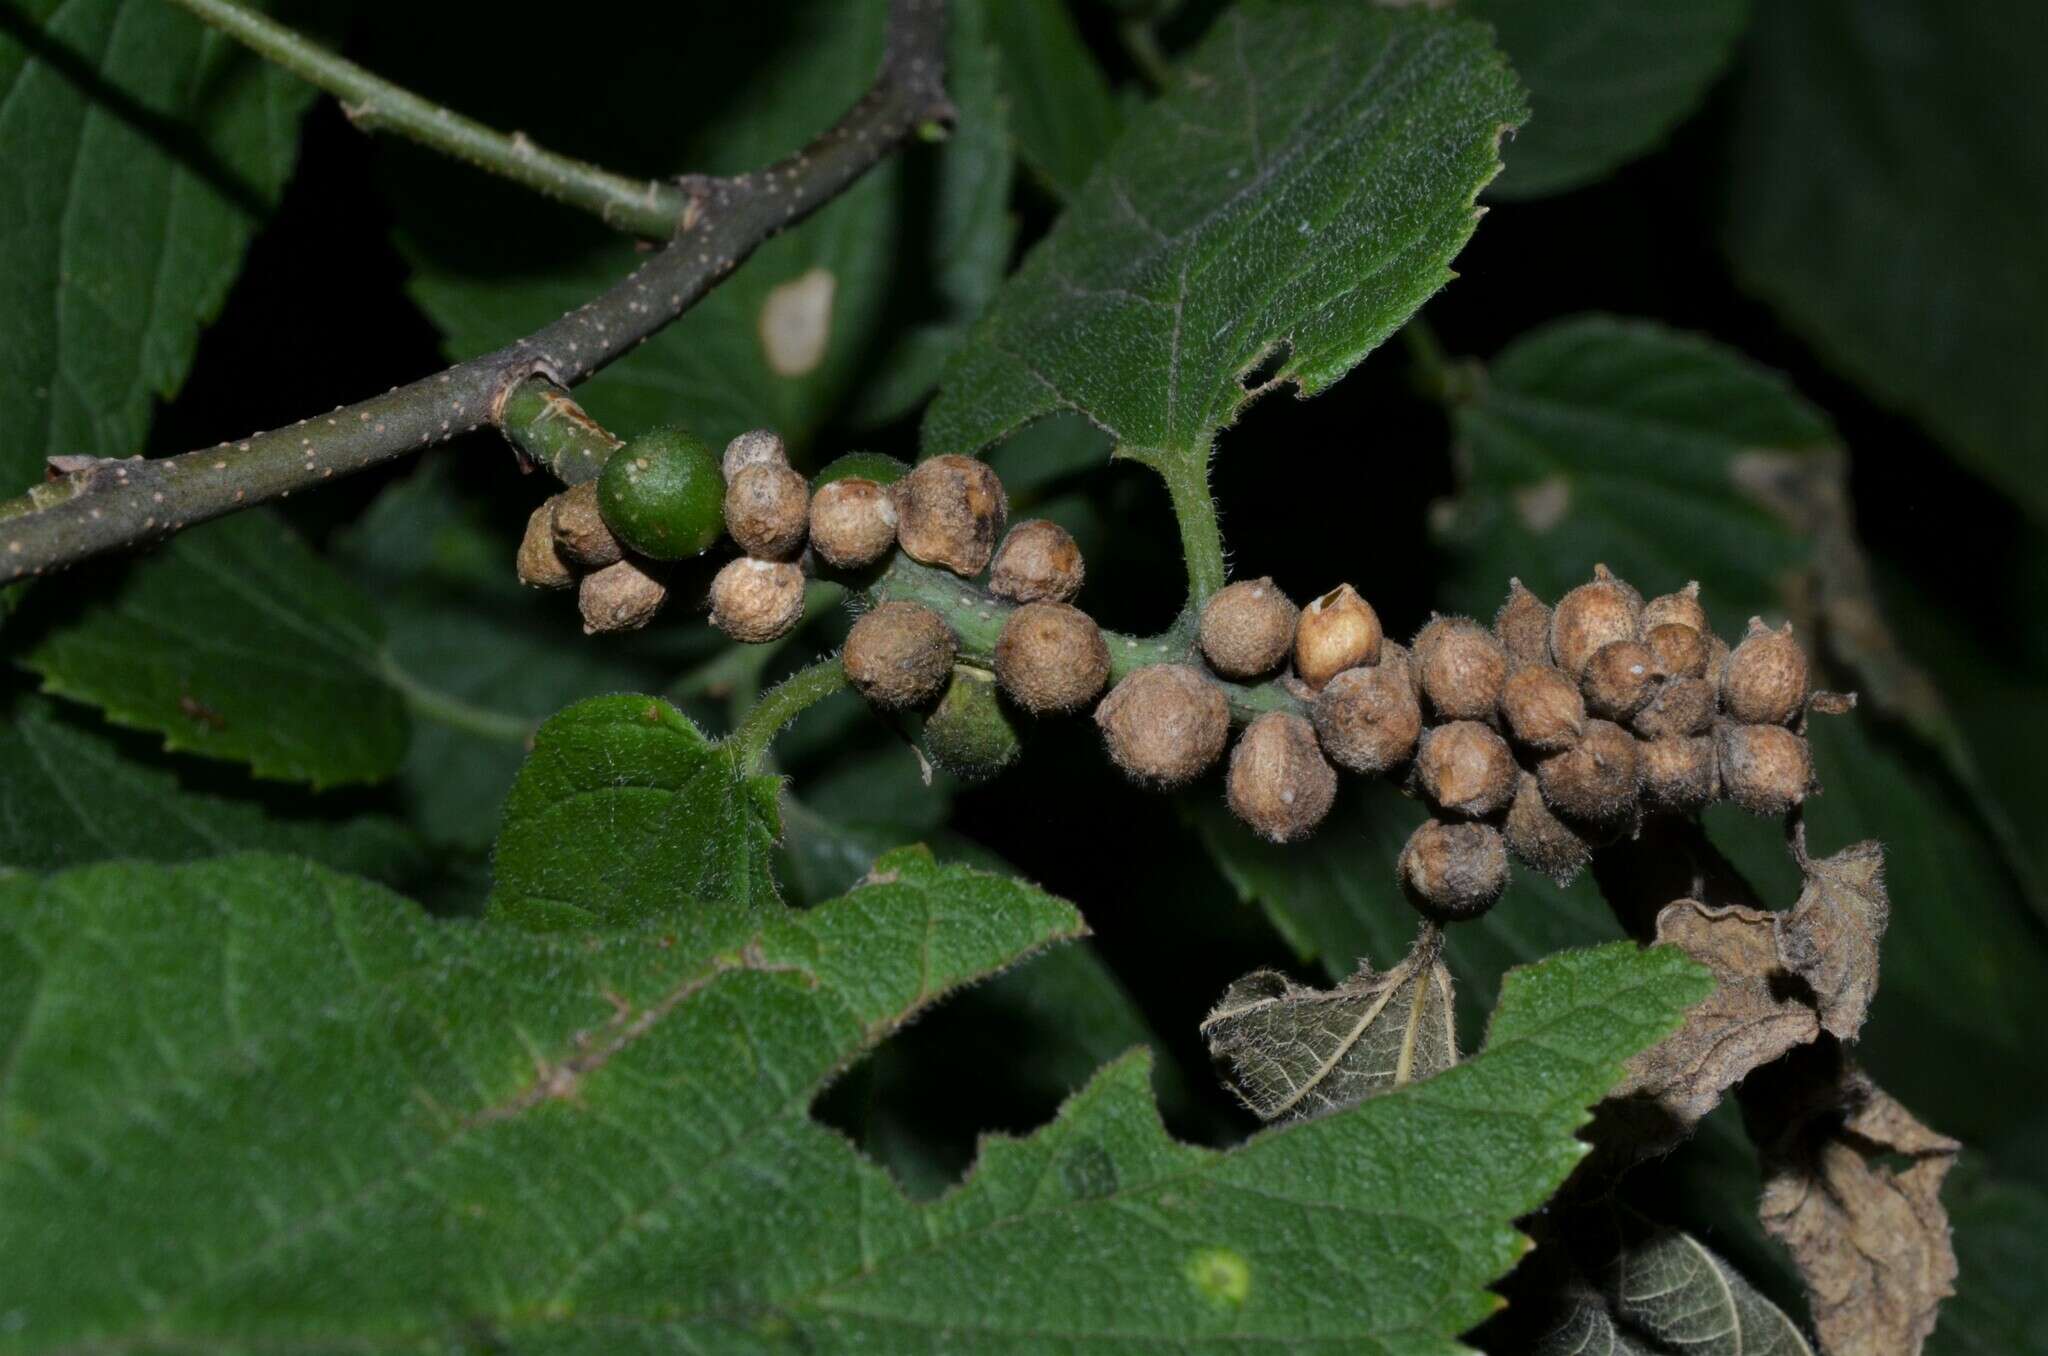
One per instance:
(661, 494)
(969, 733)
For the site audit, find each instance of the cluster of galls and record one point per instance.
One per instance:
(665, 497)
(1545, 736)
(1552, 733)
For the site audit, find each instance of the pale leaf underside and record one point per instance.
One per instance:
(1681, 1295)
(1295, 1052)
(1667, 1294)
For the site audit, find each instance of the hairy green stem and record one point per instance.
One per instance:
(782, 704)
(977, 618)
(96, 506)
(734, 675)
(646, 207)
(1194, 508)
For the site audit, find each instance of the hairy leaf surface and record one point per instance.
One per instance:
(138, 152)
(626, 815)
(1295, 1052)
(1302, 190)
(333, 1123)
(1667, 1293)
(1593, 437)
(1673, 1289)
(236, 641)
(1608, 79)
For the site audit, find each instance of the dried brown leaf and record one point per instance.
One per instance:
(1754, 1015)
(1295, 1052)
(1852, 1188)
(1830, 939)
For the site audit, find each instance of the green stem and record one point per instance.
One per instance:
(782, 704)
(1201, 540)
(977, 619)
(436, 705)
(645, 207)
(734, 676)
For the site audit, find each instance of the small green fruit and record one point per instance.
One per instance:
(662, 494)
(969, 733)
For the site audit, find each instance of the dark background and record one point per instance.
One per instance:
(320, 317)
(1310, 493)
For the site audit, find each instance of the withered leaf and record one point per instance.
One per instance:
(1295, 1052)
(1830, 938)
(1753, 1016)
(1852, 1188)
(1671, 1288)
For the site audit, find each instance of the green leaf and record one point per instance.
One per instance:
(237, 642)
(1593, 438)
(625, 814)
(1059, 1016)
(422, 1130)
(1061, 109)
(1608, 79)
(138, 151)
(428, 1134)
(752, 84)
(70, 793)
(1888, 130)
(1298, 196)
(1980, 682)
